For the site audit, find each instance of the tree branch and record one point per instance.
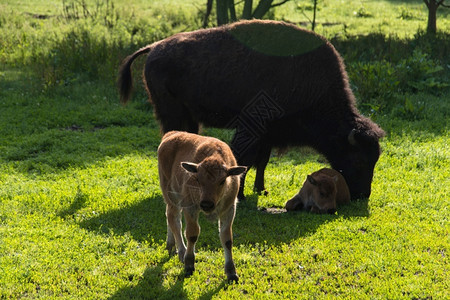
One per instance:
(209, 5)
(279, 3)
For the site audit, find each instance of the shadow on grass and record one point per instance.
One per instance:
(145, 221)
(151, 286)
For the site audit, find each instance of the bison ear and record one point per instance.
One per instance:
(190, 167)
(236, 171)
(311, 180)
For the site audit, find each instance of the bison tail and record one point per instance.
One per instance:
(125, 81)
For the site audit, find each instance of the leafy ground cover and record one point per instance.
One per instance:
(81, 212)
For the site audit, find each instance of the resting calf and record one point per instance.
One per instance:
(322, 191)
(196, 174)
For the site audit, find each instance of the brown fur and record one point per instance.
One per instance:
(198, 174)
(321, 192)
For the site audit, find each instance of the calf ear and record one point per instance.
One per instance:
(236, 170)
(190, 167)
(311, 180)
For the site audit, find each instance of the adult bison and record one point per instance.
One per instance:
(276, 84)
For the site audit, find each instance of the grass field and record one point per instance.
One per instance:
(81, 211)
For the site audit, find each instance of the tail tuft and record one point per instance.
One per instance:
(125, 81)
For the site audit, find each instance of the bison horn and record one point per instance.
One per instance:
(351, 138)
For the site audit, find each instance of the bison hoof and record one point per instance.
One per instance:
(241, 198)
(260, 190)
(232, 278)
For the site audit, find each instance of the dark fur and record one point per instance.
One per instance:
(208, 77)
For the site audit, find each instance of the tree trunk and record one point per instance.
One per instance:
(222, 12)
(262, 8)
(432, 12)
(314, 16)
(209, 5)
(233, 17)
(247, 11)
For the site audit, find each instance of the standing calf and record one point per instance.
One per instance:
(196, 174)
(322, 191)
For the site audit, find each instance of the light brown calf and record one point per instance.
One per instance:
(196, 174)
(322, 191)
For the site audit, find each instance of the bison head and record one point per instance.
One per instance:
(356, 157)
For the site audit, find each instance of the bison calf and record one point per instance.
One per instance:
(322, 191)
(198, 174)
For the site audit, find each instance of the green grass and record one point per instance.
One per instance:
(350, 17)
(81, 211)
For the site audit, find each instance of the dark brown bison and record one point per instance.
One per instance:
(277, 85)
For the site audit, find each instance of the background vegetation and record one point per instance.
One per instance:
(81, 212)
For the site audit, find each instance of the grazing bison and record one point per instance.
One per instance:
(277, 85)
(322, 191)
(198, 174)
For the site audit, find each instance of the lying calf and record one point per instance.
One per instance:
(322, 191)
(196, 174)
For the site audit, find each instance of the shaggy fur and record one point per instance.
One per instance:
(276, 84)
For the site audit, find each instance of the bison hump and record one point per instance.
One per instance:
(275, 38)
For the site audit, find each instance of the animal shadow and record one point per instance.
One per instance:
(144, 221)
(151, 286)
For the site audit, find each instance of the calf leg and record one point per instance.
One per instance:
(226, 239)
(174, 236)
(192, 232)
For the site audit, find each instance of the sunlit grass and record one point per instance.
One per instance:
(81, 211)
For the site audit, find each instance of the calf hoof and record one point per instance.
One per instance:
(232, 278)
(188, 271)
(171, 249)
(181, 254)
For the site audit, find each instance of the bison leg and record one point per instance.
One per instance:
(226, 239)
(179, 119)
(174, 236)
(240, 195)
(261, 163)
(169, 110)
(192, 232)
